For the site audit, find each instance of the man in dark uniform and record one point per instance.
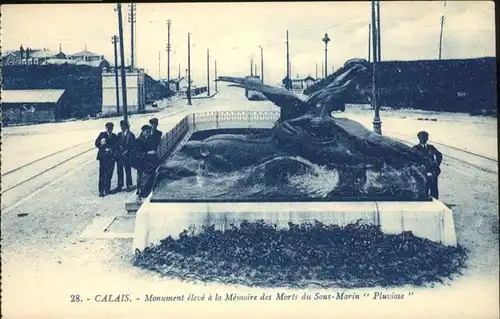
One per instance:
(436, 158)
(146, 159)
(155, 133)
(106, 143)
(126, 140)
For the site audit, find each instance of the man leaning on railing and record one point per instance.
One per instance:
(145, 159)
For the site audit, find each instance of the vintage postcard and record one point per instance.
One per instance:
(249, 160)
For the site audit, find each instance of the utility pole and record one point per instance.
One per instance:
(208, 72)
(251, 66)
(256, 74)
(379, 53)
(441, 37)
(441, 32)
(132, 20)
(316, 71)
(179, 77)
(287, 83)
(216, 76)
(169, 23)
(262, 64)
(189, 70)
(122, 54)
(369, 41)
(377, 124)
(322, 70)
(114, 40)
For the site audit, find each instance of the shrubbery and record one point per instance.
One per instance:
(257, 253)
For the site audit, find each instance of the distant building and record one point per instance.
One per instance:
(32, 106)
(39, 57)
(102, 64)
(136, 92)
(179, 85)
(29, 56)
(86, 56)
(300, 84)
(11, 58)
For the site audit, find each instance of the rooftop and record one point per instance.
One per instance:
(31, 96)
(85, 53)
(75, 62)
(43, 54)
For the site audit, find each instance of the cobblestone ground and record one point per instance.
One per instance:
(44, 262)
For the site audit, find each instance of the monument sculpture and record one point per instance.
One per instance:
(307, 142)
(310, 199)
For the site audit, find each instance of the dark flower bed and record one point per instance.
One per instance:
(259, 254)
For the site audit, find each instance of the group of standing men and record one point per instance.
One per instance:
(128, 152)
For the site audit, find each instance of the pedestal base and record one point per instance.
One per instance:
(431, 220)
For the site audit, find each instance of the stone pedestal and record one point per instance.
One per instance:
(431, 220)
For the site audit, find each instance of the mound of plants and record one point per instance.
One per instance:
(260, 254)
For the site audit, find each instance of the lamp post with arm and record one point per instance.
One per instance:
(326, 39)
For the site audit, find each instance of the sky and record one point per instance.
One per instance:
(233, 33)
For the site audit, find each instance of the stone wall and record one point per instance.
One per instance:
(460, 85)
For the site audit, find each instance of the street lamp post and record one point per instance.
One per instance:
(326, 39)
(377, 124)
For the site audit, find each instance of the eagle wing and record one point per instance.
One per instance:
(290, 104)
(336, 91)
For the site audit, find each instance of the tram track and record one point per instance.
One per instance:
(30, 171)
(26, 177)
(42, 158)
(472, 159)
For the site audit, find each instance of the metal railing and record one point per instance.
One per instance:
(210, 120)
(171, 138)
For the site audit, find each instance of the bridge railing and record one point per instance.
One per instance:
(213, 120)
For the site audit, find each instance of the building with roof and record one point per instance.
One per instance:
(86, 56)
(179, 85)
(45, 56)
(82, 85)
(40, 56)
(102, 64)
(301, 84)
(30, 56)
(32, 106)
(136, 92)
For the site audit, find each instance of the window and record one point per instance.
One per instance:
(30, 61)
(23, 61)
(35, 61)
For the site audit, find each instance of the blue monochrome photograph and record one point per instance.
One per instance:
(249, 159)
